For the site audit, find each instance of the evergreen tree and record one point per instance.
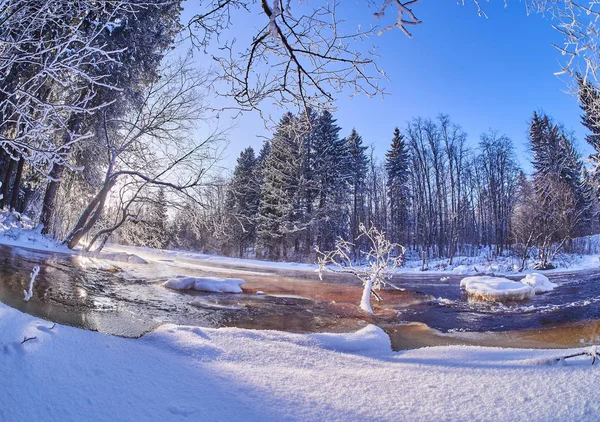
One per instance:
(330, 175)
(397, 167)
(563, 200)
(358, 163)
(280, 190)
(243, 198)
(589, 100)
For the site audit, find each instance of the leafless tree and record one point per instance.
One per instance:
(152, 147)
(379, 257)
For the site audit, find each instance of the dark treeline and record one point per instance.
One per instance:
(432, 193)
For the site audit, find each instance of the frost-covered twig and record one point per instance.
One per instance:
(29, 293)
(592, 352)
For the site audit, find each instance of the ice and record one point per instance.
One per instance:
(496, 289)
(205, 284)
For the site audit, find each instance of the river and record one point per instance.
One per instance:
(429, 309)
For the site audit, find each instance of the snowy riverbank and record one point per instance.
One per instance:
(233, 374)
(19, 230)
(481, 265)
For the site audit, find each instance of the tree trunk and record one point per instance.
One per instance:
(365, 301)
(17, 184)
(90, 216)
(6, 182)
(49, 203)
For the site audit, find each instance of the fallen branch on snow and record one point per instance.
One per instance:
(26, 339)
(592, 352)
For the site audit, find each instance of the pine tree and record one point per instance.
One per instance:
(589, 101)
(243, 198)
(279, 204)
(307, 124)
(563, 202)
(330, 175)
(397, 167)
(358, 163)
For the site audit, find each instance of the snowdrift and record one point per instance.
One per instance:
(539, 282)
(496, 289)
(206, 284)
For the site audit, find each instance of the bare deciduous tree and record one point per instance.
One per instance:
(380, 260)
(152, 147)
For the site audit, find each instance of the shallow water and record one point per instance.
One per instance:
(99, 296)
(431, 309)
(575, 300)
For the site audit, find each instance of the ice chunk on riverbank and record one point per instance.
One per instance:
(205, 284)
(496, 289)
(539, 282)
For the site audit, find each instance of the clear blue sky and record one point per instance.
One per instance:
(484, 73)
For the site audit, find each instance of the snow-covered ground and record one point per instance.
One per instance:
(19, 230)
(462, 265)
(190, 373)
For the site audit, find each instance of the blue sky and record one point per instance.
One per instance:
(485, 73)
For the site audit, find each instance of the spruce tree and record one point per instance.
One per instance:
(357, 168)
(330, 175)
(397, 167)
(243, 197)
(280, 191)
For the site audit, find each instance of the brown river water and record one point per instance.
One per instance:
(429, 310)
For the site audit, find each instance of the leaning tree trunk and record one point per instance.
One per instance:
(90, 216)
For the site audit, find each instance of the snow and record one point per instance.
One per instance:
(205, 284)
(190, 373)
(496, 289)
(539, 282)
(478, 265)
(19, 230)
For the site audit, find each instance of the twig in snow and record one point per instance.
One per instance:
(593, 353)
(29, 293)
(53, 325)
(25, 339)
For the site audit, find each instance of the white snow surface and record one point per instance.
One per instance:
(539, 282)
(19, 230)
(496, 289)
(188, 373)
(206, 284)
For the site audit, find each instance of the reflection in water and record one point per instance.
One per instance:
(430, 310)
(73, 291)
(575, 300)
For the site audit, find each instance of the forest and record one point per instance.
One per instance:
(99, 143)
(433, 193)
